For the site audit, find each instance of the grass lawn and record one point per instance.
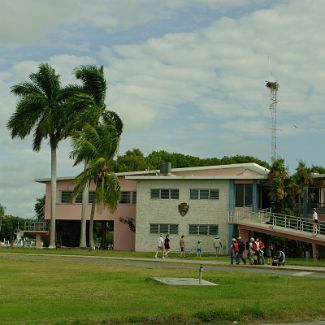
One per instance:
(72, 292)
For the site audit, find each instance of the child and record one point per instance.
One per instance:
(182, 246)
(199, 248)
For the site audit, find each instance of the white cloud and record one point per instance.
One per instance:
(28, 21)
(200, 91)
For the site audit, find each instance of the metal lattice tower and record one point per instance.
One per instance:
(274, 87)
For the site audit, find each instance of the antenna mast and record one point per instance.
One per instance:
(274, 87)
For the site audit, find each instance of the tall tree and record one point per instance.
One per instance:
(88, 107)
(40, 109)
(132, 160)
(97, 146)
(303, 178)
(2, 214)
(39, 208)
(277, 177)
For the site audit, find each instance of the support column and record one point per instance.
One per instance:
(314, 246)
(38, 242)
(255, 196)
(244, 234)
(231, 209)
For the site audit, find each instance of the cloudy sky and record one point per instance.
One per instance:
(185, 76)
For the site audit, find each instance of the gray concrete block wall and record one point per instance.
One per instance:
(166, 211)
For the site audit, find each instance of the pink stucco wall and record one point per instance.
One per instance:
(124, 238)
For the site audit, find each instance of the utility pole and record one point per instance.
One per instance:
(274, 87)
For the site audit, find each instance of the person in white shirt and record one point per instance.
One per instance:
(315, 221)
(160, 246)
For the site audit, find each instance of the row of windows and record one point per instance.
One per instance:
(125, 198)
(195, 229)
(195, 194)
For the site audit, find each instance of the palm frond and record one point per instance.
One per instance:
(24, 89)
(110, 117)
(94, 82)
(47, 80)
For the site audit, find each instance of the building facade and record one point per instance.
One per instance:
(192, 201)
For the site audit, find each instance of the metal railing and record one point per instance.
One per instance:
(36, 226)
(266, 217)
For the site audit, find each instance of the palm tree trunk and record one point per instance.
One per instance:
(91, 225)
(53, 199)
(83, 242)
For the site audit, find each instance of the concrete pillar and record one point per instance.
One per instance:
(314, 252)
(255, 196)
(38, 243)
(244, 234)
(231, 209)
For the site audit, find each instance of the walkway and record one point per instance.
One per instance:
(291, 270)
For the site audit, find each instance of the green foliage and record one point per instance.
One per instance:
(317, 169)
(40, 208)
(40, 108)
(129, 221)
(10, 224)
(134, 160)
(97, 147)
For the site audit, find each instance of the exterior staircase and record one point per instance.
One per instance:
(279, 225)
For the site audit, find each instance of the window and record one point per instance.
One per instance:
(244, 195)
(66, 197)
(204, 194)
(164, 193)
(203, 229)
(91, 196)
(128, 197)
(79, 198)
(165, 228)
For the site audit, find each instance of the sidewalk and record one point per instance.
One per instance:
(171, 260)
(205, 262)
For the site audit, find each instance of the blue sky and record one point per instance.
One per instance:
(185, 76)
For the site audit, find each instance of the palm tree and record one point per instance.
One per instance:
(302, 178)
(40, 109)
(277, 177)
(2, 213)
(39, 208)
(96, 146)
(88, 106)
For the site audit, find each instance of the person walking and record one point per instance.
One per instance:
(182, 246)
(251, 251)
(269, 253)
(241, 249)
(234, 251)
(166, 245)
(315, 221)
(199, 248)
(160, 246)
(261, 252)
(217, 245)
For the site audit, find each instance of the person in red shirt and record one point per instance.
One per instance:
(261, 252)
(234, 251)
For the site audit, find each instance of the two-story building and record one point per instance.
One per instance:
(192, 201)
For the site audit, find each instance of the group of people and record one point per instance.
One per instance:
(256, 252)
(163, 246)
(237, 249)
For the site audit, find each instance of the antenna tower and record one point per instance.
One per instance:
(274, 87)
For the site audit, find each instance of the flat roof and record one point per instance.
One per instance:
(177, 177)
(151, 174)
